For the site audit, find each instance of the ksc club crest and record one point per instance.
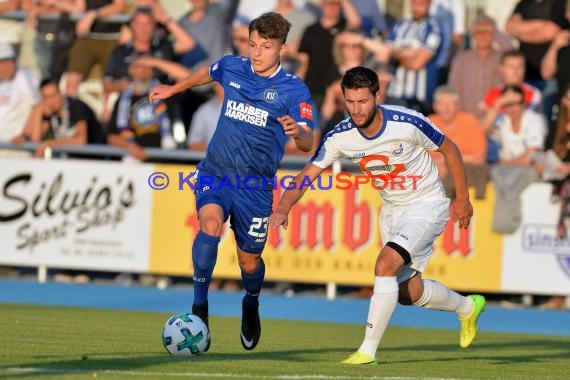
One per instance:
(270, 95)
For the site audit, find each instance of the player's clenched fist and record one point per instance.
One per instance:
(289, 126)
(160, 92)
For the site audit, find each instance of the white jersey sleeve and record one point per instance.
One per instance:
(328, 151)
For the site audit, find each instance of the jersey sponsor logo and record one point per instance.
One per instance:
(306, 111)
(397, 149)
(270, 95)
(378, 167)
(246, 113)
(235, 85)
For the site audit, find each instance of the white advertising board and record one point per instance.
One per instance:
(75, 214)
(535, 261)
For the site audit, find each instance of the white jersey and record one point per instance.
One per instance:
(17, 98)
(396, 159)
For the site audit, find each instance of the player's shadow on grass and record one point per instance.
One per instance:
(106, 363)
(509, 352)
(487, 344)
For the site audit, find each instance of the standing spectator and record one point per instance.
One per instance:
(137, 124)
(96, 40)
(11, 31)
(475, 71)
(415, 44)
(450, 15)
(535, 23)
(206, 23)
(557, 60)
(54, 30)
(18, 94)
(316, 59)
(61, 120)
(373, 19)
(300, 19)
(465, 130)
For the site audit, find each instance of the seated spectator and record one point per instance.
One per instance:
(135, 123)
(518, 133)
(18, 95)
(62, 120)
(511, 71)
(465, 130)
(476, 70)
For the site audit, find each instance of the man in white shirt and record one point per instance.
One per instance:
(390, 144)
(18, 94)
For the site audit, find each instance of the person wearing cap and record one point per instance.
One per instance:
(18, 94)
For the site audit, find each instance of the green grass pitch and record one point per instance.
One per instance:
(69, 343)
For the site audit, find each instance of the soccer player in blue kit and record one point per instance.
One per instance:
(263, 108)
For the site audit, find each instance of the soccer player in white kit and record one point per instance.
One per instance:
(390, 144)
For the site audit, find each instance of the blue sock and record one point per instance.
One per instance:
(204, 255)
(252, 285)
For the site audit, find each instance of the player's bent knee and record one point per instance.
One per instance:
(212, 226)
(249, 265)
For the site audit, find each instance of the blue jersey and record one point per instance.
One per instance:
(249, 141)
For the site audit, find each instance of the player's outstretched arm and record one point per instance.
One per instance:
(292, 195)
(196, 78)
(301, 134)
(461, 209)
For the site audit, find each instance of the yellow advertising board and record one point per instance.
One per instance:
(333, 236)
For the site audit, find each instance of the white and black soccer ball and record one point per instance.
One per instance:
(185, 334)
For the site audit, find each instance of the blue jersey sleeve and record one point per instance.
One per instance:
(217, 68)
(301, 108)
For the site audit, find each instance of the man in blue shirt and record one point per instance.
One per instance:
(263, 107)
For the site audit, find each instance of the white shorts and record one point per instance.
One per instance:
(415, 228)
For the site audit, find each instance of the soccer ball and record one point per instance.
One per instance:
(185, 334)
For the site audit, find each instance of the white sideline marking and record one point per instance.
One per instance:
(51, 371)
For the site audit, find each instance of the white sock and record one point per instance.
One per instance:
(382, 306)
(439, 297)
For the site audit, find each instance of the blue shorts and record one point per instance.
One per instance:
(248, 210)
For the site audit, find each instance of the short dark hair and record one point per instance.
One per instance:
(512, 53)
(46, 82)
(271, 25)
(360, 77)
(513, 87)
